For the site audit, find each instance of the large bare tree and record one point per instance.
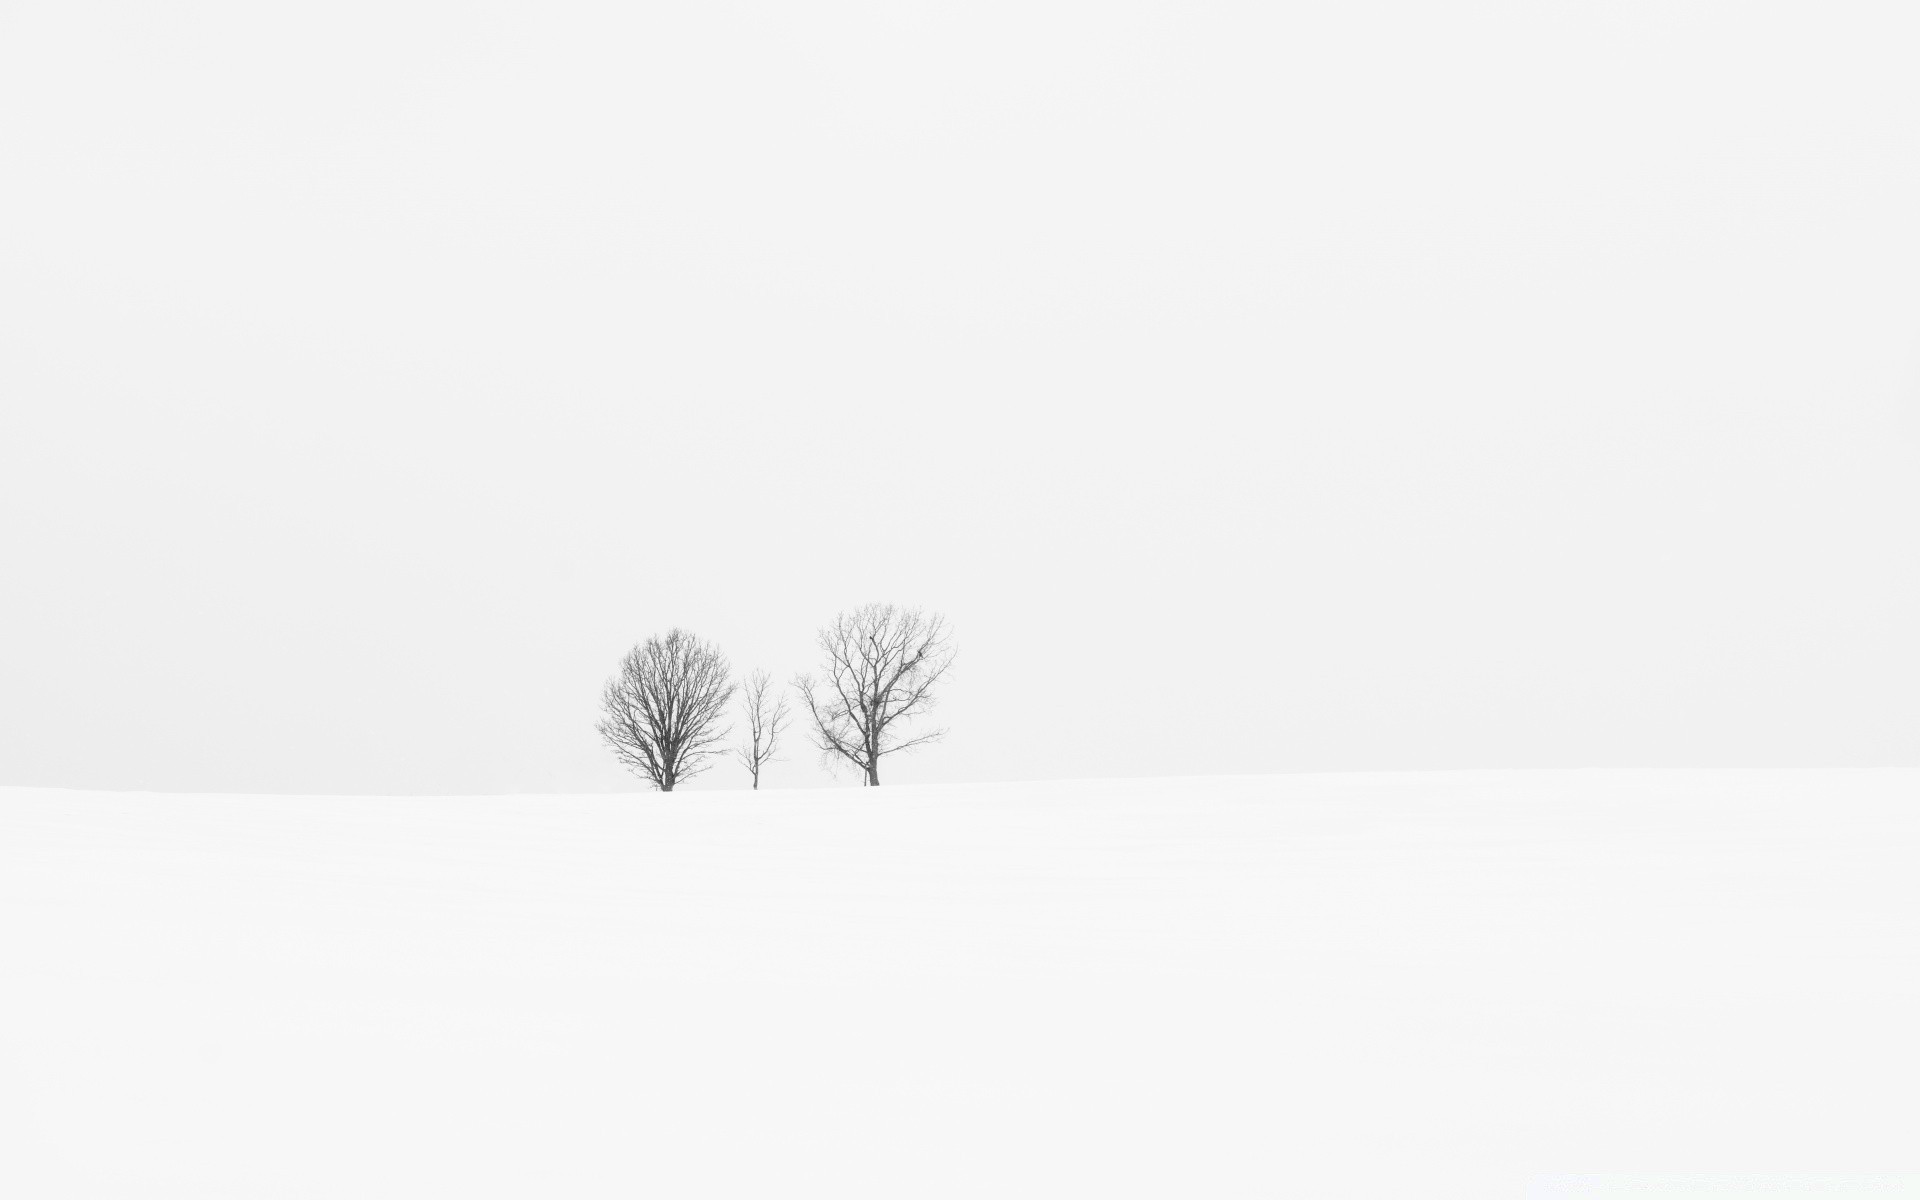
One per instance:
(663, 708)
(766, 713)
(881, 666)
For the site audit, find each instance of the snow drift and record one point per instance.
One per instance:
(1474, 985)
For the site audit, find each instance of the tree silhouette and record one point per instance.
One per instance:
(663, 708)
(881, 666)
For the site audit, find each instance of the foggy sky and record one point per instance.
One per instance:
(1254, 387)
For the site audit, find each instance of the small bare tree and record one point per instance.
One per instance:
(882, 665)
(663, 709)
(766, 717)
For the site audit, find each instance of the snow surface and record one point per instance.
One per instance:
(1464, 984)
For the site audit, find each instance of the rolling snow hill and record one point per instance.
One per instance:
(1473, 985)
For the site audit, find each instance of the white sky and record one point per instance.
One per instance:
(1256, 387)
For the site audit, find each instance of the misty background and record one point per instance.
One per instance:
(1255, 388)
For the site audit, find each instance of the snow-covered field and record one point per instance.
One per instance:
(1409, 986)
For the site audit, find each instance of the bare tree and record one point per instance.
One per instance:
(882, 664)
(663, 709)
(766, 717)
